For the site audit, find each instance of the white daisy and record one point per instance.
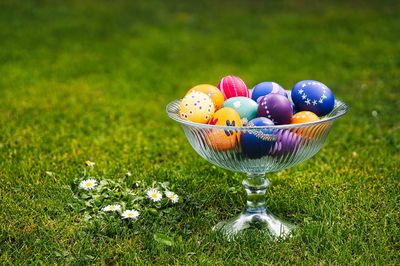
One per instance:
(88, 184)
(154, 195)
(112, 208)
(128, 174)
(172, 196)
(89, 163)
(130, 214)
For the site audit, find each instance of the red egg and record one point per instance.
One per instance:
(232, 86)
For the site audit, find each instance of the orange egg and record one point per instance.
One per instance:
(304, 117)
(220, 142)
(227, 139)
(215, 94)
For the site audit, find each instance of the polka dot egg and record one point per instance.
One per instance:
(196, 107)
(215, 94)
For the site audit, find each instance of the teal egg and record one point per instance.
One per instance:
(246, 107)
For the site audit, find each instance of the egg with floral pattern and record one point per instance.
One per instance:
(196, 107)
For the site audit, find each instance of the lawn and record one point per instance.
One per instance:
(89, 80)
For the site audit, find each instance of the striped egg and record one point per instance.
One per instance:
(196, 107)
(232, 86)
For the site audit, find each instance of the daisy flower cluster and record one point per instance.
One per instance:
(155, 195)
(127, 214)
(114, 197)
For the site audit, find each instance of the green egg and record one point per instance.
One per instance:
(246, 107)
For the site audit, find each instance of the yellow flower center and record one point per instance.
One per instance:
(88, 184)
(130, 214)
(154, 195)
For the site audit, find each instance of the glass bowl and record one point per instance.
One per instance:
(275, 148)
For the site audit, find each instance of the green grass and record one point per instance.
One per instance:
(91, 81)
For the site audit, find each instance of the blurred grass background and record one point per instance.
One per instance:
(90, 80)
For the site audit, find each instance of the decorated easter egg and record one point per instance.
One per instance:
(265, 88)
(224, 139)
(232, 86)
(257, 143)
(304, 117)
(286, 142)
(246, 107)
(215, 94)
(196, 107)
(276, 107)
(313, 96)
(219, 141)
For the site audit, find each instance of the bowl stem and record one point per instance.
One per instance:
(256, 214)
(255, 186)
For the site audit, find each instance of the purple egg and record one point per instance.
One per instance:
(286, 142)
(276, 107)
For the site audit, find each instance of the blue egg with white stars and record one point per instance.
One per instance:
(313, 96)
(258, 142)
(265, 88)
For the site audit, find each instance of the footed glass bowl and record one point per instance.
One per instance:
(256, 151)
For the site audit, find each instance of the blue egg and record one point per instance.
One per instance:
(313, 96)
(264, 88)
(257, 143)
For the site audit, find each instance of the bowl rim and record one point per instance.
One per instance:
(340, 106)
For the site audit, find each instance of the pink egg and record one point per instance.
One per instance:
(232, 86)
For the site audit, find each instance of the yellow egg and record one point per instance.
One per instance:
(196, 107)
(227, 139)
(215, 94)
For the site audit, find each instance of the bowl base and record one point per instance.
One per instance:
(268, 223)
